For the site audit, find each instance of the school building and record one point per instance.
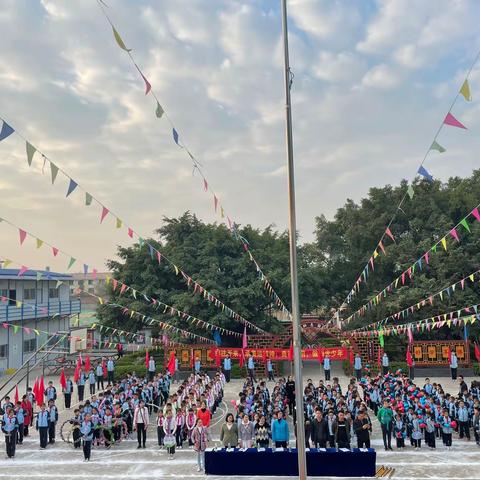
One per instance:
(30, 302)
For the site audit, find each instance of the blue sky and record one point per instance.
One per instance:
(373, 79)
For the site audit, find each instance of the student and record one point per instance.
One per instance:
(416, 432)
(280, 432)
(197, 365)
(86, 429)
(67, 392)
(330, 420)
(190, 422)
(180, 419)
(151, 368)
(52, 420)
(453, 365)
(81, 385)
(10, 428)
(400, 431)
(28, 414)
(99, 375)
(385, 417)
(32, 400)
(385, 363)
(251, 367)
(476, 424)
(447, 429)
(246, 432)
(140, 422)
(110, 371)
(91, 381)
(19, 413)
(229, 432)
(227, 368)
(200, 440)
(342, 431)
(169, 428)
(42, 425)
(76, 422)
(463, 419)
(326, 367)
(357, 365)
(270, 370)
(430, 430)
(361, 427)
(160, 431)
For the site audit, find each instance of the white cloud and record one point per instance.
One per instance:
(382, 76)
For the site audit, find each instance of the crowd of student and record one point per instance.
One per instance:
(122, 406)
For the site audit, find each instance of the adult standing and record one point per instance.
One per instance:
(204, 413)
(270, 370)
(357, 365)
(67, 392)
(197, 365)
(385, 364)
(227, 368)
(251, 367)
(280, 432)
(362, 427)
(453, 365)
(229, 432)
(246, 432)
(110, 370)
(341, 428)
(290, 394)
(327, 367)
(385, 417)
(319, 430)
(27, 414)
(140, 423)
(151, 369)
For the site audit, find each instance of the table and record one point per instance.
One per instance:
(331, 463)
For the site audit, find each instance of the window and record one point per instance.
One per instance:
(29, 345)
(53, 292)
(3, 351)
(29, 294)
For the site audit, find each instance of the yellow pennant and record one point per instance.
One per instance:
(444, 243)
(39, 243)
(375, 254)
(471, 277)
(465, 91)
(19, 304)
(176, 269)
(119, 40)
(119, 223)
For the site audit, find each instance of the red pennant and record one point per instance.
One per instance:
(105, 212)
(171, 363)
(88, 365)
(130, 232)
(23, 235)
(147, 358)
(409, 358)
(55, 251)
(205, 185)
(477, 352)
(389, 233)
(16, 394)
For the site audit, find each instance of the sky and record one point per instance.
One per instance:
(373, 81)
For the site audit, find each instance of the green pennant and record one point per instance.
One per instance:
(71, 262)
(59, 282)
(30, 152)
(465, 225)
(141, 241)
(159, 111)
(434, 249)
(15, 328)
(410, 191)
(88, 199)
(436, 146)
(381, 339)
(54, 171)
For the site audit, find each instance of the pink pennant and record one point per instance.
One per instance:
(94, 273)
(215, 202)
(205, 185)
(462, 283)
(4, 299)
(123, 288)
(27, 330)
(44, 310)
(389, 233)
(130, 233)
(23, 235)
(476, 214)
(159, 257)
(380, 244)
(22, 271)
(426, 257)
(453, 122)
(409, 271)
(454, 234)
(105, 212)
(55, 251)
(115, 283)
(403, 278)
(371, 263)
(5, 325)
(430, 299)
(148, 87)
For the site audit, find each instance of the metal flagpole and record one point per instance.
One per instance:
(297, 353)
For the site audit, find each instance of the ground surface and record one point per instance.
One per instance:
(125, 461)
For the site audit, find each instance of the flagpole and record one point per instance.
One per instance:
(297, 354)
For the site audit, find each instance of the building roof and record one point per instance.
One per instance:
(90, 276)
(12, 274)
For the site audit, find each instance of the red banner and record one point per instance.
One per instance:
(334, 353)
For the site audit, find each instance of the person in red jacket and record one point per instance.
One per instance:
(204, 414)
(27, 414)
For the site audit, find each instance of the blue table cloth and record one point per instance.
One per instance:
(331, 463)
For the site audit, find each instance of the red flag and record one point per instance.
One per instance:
(477, 352)
(264, 356)
(290, 352)
(63, 380)
(171, 363)
(409, 358)
(147, 357)
(242, 358)
(104, 368)
(244, 338)
(78, 366)
(41, 391)
(16, 394)
(320, 355)
(88, 365)
(35, 388)
(352, 357)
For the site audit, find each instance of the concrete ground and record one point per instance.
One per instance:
(125, 461)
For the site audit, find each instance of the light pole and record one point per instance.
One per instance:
(297, 352)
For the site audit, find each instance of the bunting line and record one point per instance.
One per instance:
(408, 273)
(449, 120)
(154, 252)
(160, 112)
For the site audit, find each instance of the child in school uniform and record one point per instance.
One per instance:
(20, 420)
(447, 429)
(400, 431)
(91, 381)
(160, 431)
(52, 420)
(416, 431)
(42, 425)
(169, 427)
(76, 421)
(430, 430)
(180, 419)
(190, 422)
(200, 440)
(10, 429)
(86, 429)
